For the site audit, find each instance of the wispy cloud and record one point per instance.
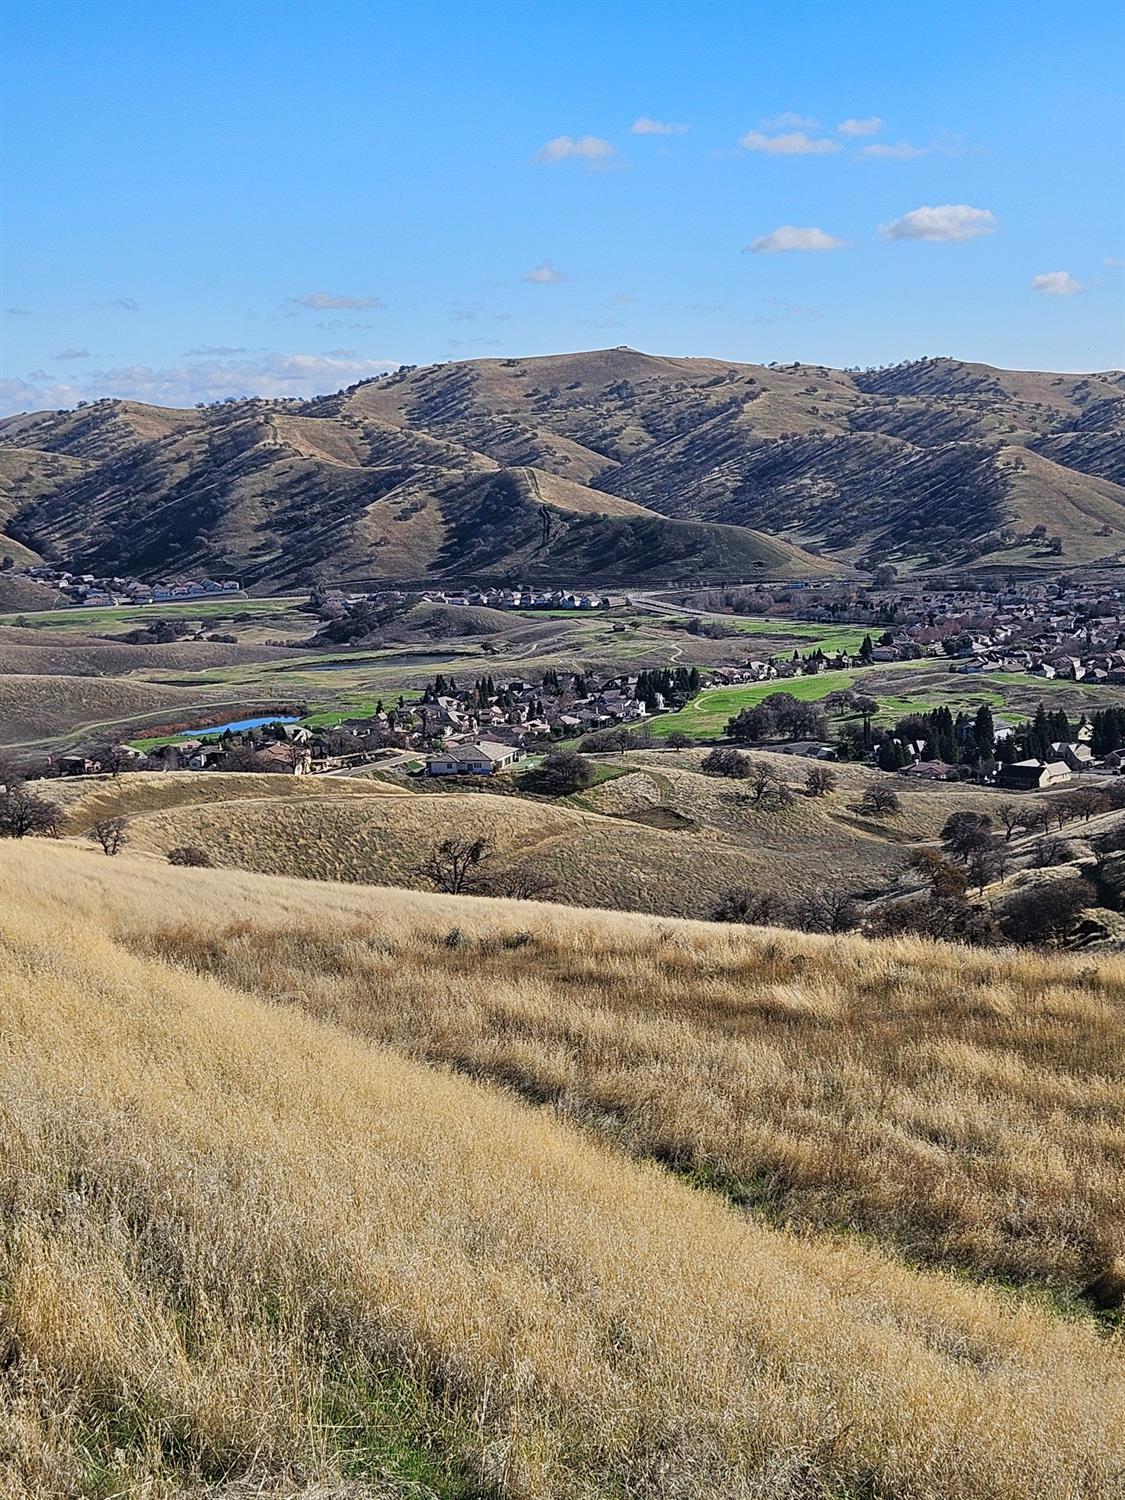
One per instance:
(794, 143)
(952, 223)
(869, 126)
(18, 312)
(473, 343)
(791, 237)
(1056, 284)
(790, 121)
(214, 351)
(274, 375)
(123, 304)
(622, 299)
(1115, 261)
(901, 151)
(645, 126)
(544, 274)
(335, 301)
(599, 323)
(588, 148)
(73, 354)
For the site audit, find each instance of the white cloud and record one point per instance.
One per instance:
(324, 301)
(790, 121)
(622, 299)
(213, 351)
(544, 274)
(902, 151)
(645, 126)
(299, 375)
(796, 143)
(1056, 284)
(870, 126)
(790, 237)
(569, 148)
(1115, 261)
(73, 354)
(950, 222)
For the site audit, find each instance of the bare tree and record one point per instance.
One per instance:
(22, 813)
(110, 833)
(828, 911)
(453, 863)
(524, 882)
(1012, 817)
(756, 908)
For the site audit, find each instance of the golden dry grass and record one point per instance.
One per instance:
(138, 794)
(240, 1242)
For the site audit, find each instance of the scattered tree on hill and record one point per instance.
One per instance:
(819, 781)
(1012, 817)
(967, 834)
(454, 863)
(755, 908)
(880, 799)
(560, 775)
(1047, 912)
(110, 834)
(828, 911)
(526, 882)
(22, 814)
(677, 740)
(726, 762)
(767, 787)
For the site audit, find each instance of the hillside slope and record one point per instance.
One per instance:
(281, 498)
(610, 465)
(244, 1245)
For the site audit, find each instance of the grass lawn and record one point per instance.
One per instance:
(830, 638)
(708, 713)
(127, 614)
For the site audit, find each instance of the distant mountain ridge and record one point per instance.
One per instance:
(610, 465)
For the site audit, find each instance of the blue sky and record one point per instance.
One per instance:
(230, 196)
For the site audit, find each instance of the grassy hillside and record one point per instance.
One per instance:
(660, 836)
(609, 465)
(242, 1243)
(279, 496)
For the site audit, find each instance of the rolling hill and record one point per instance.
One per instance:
(610, 466)
(313, 1190)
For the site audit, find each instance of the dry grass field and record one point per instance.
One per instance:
(660, 838)
(284, 1204)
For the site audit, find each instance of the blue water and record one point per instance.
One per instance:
(236, 724)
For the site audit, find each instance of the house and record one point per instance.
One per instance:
(932, 770)
(1032, 775)
(1074, 754)
(482, 759)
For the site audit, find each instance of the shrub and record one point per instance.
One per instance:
(190, 854)
(758, 908)
(1047, 912)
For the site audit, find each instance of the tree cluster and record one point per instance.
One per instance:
(779, 715)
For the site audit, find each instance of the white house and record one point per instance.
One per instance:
(482, 759)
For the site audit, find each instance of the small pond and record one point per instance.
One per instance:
(236, 724)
